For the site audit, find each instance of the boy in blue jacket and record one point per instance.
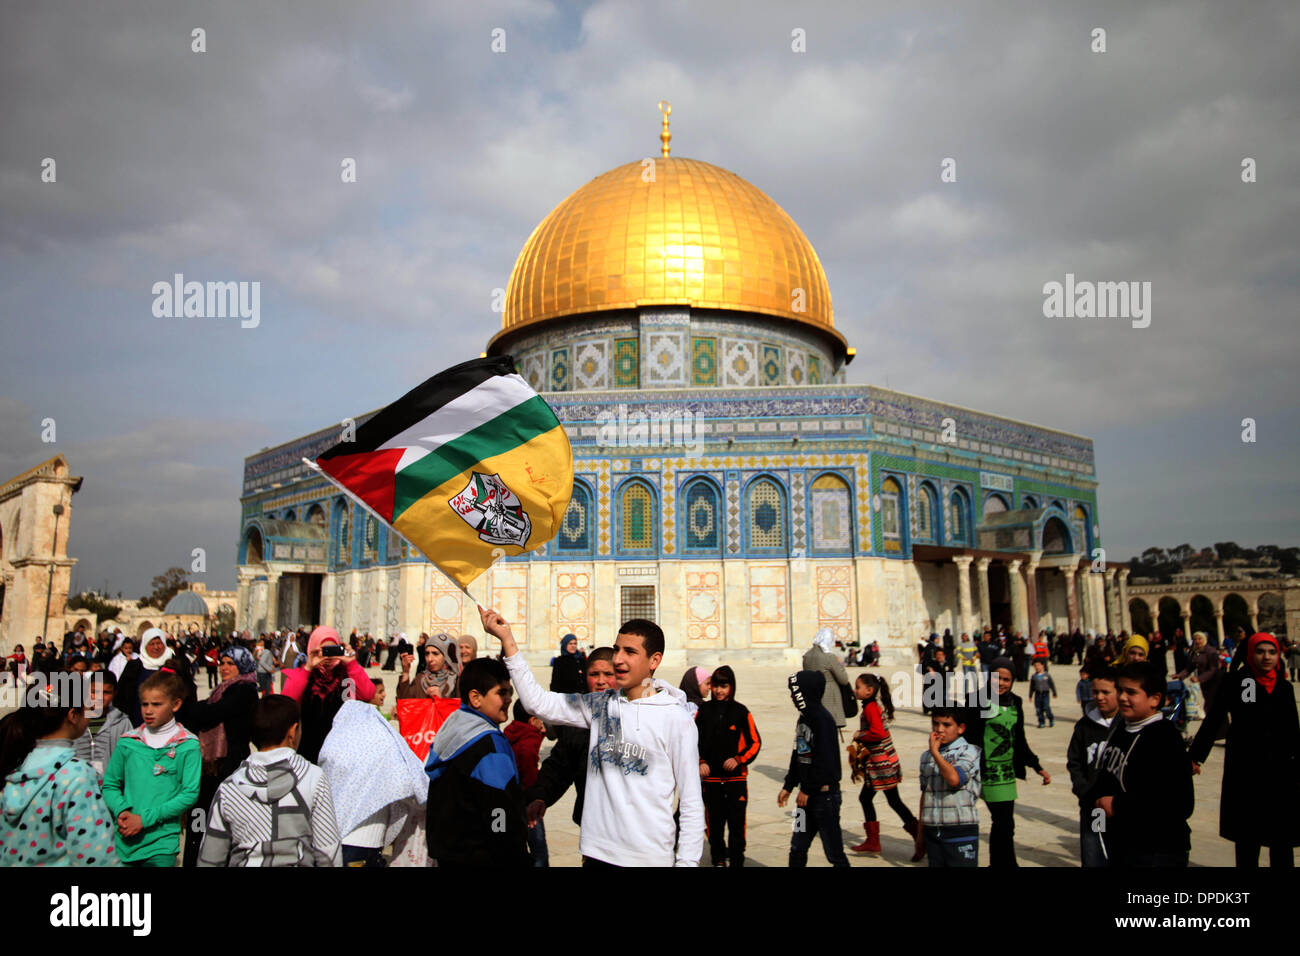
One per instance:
(476, 802)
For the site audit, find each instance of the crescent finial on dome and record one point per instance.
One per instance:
(665, 137)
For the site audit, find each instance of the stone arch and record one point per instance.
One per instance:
(291, 515)
(1169, 616)
(1056, 538)
(139, 631)
(1271, 613)
(1029, 502)
(1236, 613)
(1202, 617)
(316, 515)
(1140, 614)
(995, 503)
(252, 549)
(893, 509)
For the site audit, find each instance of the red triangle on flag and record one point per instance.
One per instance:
(370, 476)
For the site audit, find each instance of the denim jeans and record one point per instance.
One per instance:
(942, 850)
(1091, 852)
(537, 843)
(1043, 706)
(821, 816)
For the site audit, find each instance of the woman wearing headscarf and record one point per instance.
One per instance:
(568, 667)
(695, 684)
(468, 648)
(821, 659)
(1202, 673)
(1135, 649)
(438, 673)
(153, 657)
(330, 677)
(378, 787)
(1261, 763)
(224, 723)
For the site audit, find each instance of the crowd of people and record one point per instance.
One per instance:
(142, 772)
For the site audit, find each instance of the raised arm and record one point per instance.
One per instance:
(569, 710)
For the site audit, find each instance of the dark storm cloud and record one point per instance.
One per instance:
(225, 166)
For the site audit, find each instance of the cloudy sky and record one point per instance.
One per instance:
(225, 165)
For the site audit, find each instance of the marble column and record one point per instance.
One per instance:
(1187, 625)
(963, 562)
(242, 610)
(272, 600)
(1112, 601)
(1071, 597)
(1218, 623)
(1125, 615)
(986, 615)
(1031, 599)
(1018, 614)
(1254, 619)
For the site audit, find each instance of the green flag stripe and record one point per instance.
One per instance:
(508, 430)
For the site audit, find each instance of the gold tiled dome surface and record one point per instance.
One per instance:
(698, 235)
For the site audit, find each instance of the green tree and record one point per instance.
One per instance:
(86, 601)
(165, 587)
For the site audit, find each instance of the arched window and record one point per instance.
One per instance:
(342, 533)
(253, 549)
(575, 526)
(832, 527)
(925, 512)
(701, 517)
(316, 515)
(1029, 501)
(370, 543)
(959, 521)
(891, 525)
(1082, 526)
(1056, 537)
(290, 515)
(995, 504)
(637, 514)
(766, 514)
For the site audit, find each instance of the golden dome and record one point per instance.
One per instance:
(697, 235)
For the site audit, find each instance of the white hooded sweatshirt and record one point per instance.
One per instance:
(642, 751)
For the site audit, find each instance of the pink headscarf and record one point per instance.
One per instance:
(320, 636)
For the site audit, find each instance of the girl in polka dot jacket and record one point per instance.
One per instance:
(52, 811)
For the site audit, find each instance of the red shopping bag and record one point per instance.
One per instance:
(418, 720)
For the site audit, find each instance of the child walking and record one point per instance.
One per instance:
(815, 770)
(729, 742)
(153, 776)
(1042, 688)
(872, 755)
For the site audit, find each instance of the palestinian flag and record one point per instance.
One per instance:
(467, 467)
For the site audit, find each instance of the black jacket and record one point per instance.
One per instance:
(565, 766)
(726, 730)
(815, 760)
(1261, 764)
(1081, 756)
(1150, 777)
(234, 711)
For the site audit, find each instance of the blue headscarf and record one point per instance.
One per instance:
(243, 660)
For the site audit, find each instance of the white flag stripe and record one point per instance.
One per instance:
(463, 413)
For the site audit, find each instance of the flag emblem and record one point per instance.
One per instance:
(493, 510)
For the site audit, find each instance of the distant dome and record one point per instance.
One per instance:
(698, 235)
(186, 602)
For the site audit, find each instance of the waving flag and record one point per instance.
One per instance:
(467, 467)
